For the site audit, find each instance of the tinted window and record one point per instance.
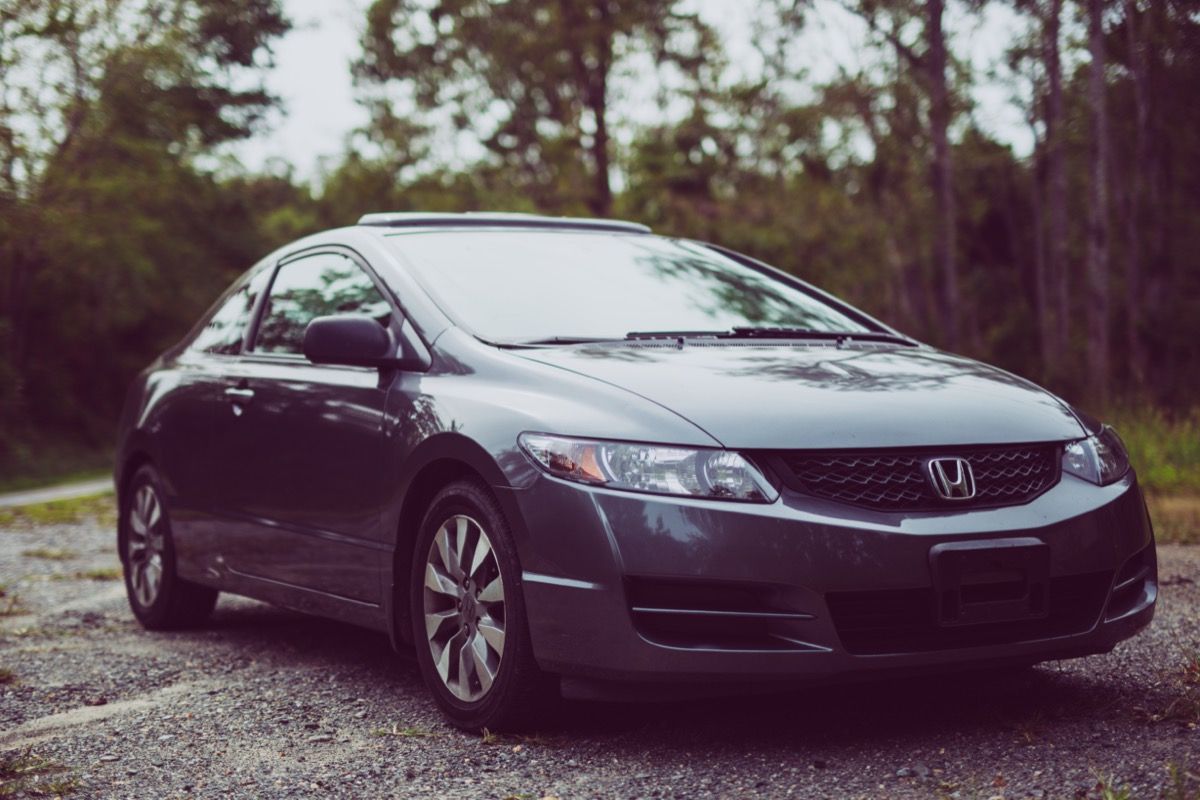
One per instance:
(313, 287)
(515, 285)
(227, 326)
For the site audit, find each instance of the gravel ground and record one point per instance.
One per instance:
(267, 703)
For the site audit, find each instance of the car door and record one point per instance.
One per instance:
(193, 407)
(303, 453)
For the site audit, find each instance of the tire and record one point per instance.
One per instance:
(476, 684)
(158, 597)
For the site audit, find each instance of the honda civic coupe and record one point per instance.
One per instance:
(569, 456)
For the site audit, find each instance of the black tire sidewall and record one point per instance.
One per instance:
(158, 613)
(473, 500)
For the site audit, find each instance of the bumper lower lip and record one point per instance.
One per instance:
(589, 618)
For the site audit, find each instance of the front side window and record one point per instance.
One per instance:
(311, 287)
(509, 286)
(226, 328)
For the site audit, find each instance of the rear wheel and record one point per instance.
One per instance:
(468, 613)
(159, 598)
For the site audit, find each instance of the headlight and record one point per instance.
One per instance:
(656, 469)
(1100, 459)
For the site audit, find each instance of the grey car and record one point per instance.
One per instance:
(569, 456)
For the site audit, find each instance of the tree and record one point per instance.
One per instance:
(112, 234)
(1097, 222)
(1049, 185)
(532, 80)
(929, 60)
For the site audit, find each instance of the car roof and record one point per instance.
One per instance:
(490, 219)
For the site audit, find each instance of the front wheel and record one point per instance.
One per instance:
(468, 614)
(158, 597)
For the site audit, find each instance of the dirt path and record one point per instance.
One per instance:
(267, 703)
(49, 494)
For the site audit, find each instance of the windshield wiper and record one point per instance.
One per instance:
(553, 340)
(806, 333)
(746, 332)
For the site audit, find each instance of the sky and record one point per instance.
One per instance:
(312, 73)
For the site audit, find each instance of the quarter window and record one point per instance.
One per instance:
(311, 287)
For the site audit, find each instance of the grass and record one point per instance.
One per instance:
(32, 776)
(1183, 706)
(10, 606)
(101, 507)
(1176, 517)
(404, 733)
(1184, 783)
(96, 574)
(1107, 789)
(7, 676)
(50, 553)
(31, 462)
(1165, 448)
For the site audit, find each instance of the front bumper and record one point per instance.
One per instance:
(588, 555)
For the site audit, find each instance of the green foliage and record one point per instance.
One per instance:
(116, 230)
(27, 775)
(529, 80)
(100, 507)
(1164, 447)
(112, 235)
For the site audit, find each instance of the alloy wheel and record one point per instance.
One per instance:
(464, 608)
(145, 545)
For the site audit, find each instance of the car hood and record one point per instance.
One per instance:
(754, 396)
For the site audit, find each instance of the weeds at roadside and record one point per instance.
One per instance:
(518, 740)
(1191, 669)
(101, 508)
(405, 733)
(1107, 789)
(1029, 728)
(36, 632)
(50, 553)
(96, 574)
(1164, 448)
(1184, 783)
(10, 605)
(1183, 707)
(34, 776)
(7, 676)
(1176, 518)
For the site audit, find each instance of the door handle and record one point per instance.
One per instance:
(239, 396)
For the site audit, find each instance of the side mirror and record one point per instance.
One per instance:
(351, 340)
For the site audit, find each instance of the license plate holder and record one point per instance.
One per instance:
(991, 580)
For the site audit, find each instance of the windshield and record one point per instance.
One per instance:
(513, 286)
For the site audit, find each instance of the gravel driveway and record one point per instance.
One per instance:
(268, 703)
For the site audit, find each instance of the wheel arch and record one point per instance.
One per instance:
(436, 463)
(133, 460)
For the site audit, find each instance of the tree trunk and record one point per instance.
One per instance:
(601, 202)
(1041, 278)
(945, 241)
(1135, 353)
(1058, 271)
(1097, 239)
(592, 83)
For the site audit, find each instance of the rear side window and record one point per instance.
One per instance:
(226, 328)
(311, 287)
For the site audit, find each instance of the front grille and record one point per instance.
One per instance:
(895, 480)
(905, 620)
